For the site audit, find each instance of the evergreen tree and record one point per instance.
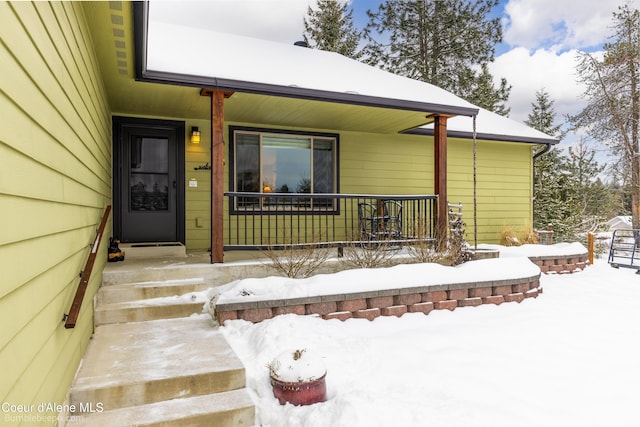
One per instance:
(593, 199)
(568, 192)
(445, 43)
(612, 112)
(548, 208)
(554, 196)
(553, 202)
(331, 28)
(481, 92)
(543, 116)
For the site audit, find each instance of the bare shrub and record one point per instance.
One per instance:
(457, 247)
(508, 236)
(363, 253)
(423, 248)
(295, 259)
(529, 235)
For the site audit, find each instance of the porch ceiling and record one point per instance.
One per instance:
(111, 26)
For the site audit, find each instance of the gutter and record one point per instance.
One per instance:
(487, 136)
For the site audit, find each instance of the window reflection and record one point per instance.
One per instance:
(296, 164)
(149, 174)
(286, 164)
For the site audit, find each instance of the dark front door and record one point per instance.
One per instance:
(148, 189)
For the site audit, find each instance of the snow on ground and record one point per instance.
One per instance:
(529, 250)
(370, 279)
(567, 358)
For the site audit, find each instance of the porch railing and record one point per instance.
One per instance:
(264, 220)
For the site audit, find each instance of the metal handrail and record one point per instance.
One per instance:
(71, 318)
(334, 195)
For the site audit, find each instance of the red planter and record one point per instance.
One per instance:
(300, 393)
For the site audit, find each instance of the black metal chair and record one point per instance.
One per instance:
(382, 220)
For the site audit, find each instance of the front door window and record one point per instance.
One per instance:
(149, 174)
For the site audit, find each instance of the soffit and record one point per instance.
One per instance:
(111, 27)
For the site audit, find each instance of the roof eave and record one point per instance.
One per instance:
(486, 136)
(302, 93)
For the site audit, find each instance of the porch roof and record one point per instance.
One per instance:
(280, 84)
(490, 126)
(200, 57)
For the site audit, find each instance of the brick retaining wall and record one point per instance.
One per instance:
(389, 302)
(561, 264)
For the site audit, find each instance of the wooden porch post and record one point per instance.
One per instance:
(217, 173)
(440, 177)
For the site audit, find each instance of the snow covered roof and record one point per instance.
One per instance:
(622, 222)
(180, 54)
(490, 126)
(238, 63)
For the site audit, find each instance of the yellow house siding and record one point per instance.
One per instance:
(504, 185)
(371, 163)
(198, 199)
(403, 164)
(55, 181)
(386, 164)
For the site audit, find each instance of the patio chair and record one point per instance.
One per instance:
(382, 220)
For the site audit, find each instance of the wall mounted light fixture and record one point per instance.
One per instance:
(195, 135)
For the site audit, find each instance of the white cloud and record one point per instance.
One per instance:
(529, 71)
(564, 24)
(545, 36)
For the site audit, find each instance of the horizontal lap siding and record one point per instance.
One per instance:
(55, 181)
(403, 164)
(368, 163)
(504, 186)
(386, 164)
(198, 199)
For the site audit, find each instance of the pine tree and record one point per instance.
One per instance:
(331, 28)
(594, 200)
(568, 193)
(482, 93)
(554, 196)
(553, 203)
(543, 116)
(445, 43)
(612, 112)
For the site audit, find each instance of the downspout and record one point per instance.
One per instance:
(544, 150)
(475, 186)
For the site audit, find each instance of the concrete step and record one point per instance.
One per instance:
(133, 364)
(147, 290)
(194, 265)
(149, 309)
(153, 250)
(231, 408)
